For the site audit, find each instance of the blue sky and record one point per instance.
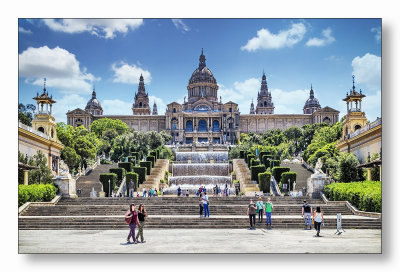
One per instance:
(75, 55)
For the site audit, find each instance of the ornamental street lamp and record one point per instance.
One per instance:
(109, 187)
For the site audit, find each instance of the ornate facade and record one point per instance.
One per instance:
(203, 117)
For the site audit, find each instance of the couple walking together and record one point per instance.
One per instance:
(133, 218)
(317, 217)
(259, 208)
(203, 205)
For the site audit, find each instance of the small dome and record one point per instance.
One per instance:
(202, 75)
(312, 102)
(93, 103)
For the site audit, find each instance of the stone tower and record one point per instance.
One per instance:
(355, 118)
(252, 108)
(264, 99)
(155, 108)
(141, 104)
(312, 103)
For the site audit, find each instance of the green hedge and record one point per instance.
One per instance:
(263, 153)
(120, 174)
(104, 161)
(276, 163)
(365, 195)
(105, 177)
(36, 193)
(136, 155)
(154, 153)
(254, 162)
(152, 159)
(135, 177)
(132, 159)
(249, 157)
(285, 179)
(241, 154)
(255, 170)
(265, 161)
(141, 171)
(146, 164)
(126, 165)
(264, 181)
(277, 172)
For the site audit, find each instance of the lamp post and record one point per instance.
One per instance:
(109, 187)
(231, 126)
(289, 185)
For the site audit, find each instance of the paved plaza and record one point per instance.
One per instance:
(201, 241)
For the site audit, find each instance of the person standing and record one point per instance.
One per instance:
(144, 192)
(201, 206)
(187, 192)
(318, 218)
(268, 212)
(133, 215)
(142, 214)
(131, 187)
(260, 209)
(205, 204)
(306, 213)
(251, 212)
(179, 191)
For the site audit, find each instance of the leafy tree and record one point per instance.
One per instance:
(66, 134)
(154, 139)
(24, 116)
(103, 124)
(294, 135)
(347, 167)
(167, 137)
(84, 148)
(70, 157)
(43, 174)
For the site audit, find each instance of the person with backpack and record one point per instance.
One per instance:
(205, 204)
(142, 214)
(260, 209)
(251, 212)
(318, 218)
(131, 187)
(306, 213)
(131, 218)
(268, 212)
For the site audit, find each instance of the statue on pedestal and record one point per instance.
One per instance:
(318, 167)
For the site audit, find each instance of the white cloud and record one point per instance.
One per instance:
(59, 66)
(180, 25)
(66, 103)
(327, 39)
(104, 28)
(24, 31)
(116, 107)
(130, 74)
(378, 33)
(267, 40)
(367, 70)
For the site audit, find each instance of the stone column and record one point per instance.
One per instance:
(26, 177)
(368, 173)
(380, 172)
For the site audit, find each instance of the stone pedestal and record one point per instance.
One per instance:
(66, 185)
(102, 194)
(316, 183)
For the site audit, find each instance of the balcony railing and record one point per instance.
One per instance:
(30, 129)
(367, 127)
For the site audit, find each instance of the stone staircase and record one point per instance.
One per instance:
(86, 183)
(243, 174)
(157, 173)
(182, 212)
(302, 174)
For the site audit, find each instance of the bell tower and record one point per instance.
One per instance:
(141, 105)
(355, 118)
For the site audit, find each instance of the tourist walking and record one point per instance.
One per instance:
(260, 209)
(187, 192)
(268, 212)
(205, 204)
(251, 212)
(142, 214)
(179, 191)
(306, 213)
(144, 192)
(131, 217)
(237, 190)
(131, 187)
(201, 206)
(318, 218)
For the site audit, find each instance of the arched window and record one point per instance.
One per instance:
(215, 127)
(41, 129)
(189, 126)
(174, 110)
(326, 120)
(356, 127)
(52, 133)
(265, 103)
(202, 125)
(140, 104)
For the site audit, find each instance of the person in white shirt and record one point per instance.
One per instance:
(205, 204)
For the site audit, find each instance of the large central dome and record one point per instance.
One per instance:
(202, 82)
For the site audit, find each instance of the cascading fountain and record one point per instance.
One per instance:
(202, 156)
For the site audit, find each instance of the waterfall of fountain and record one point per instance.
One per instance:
(201, 169)
(202, 156)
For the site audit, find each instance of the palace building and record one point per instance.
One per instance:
(203, 117)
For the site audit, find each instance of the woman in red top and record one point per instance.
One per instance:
(132, 213)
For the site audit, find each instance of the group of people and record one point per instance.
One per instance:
(151, 192)
(202, 189)
(218, 192)
(179, 191)
(135, 218)
(203, 205)
(260, 208)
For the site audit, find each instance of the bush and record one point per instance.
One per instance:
(135, 177)
(255, 170)
(285, 179)
(152, 159)
(235, 181)
(105, 177)
(254, 162)
(366, 195)
(264, 181)
(104, 161)
(136, 155)
(154, 154)
(146, 164)
(141, 171)
(277, 172)
(120, 172)
(275, 163)
(126, 165)
(241, 154)
(35, 193)
(249, 157)
(132, 159)
(265, 161)
(262, 154)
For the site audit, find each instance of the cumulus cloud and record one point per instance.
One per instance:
(246, 91)
(325, 40)
(378, 33)
(267, 40)
(116, 107)
(180, 25)
(66, 103)
(367, 70)
(24, 31)
(125, 73)
(103, 28)
(60, 67)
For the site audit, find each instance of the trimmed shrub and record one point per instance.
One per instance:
(265, 160)
(35, 193)
(262, 154)
(136, 155)
(249, 157)
(276, 163)
(277, 172)
(120, 172)
(152, 159)
(241, 154)
(264, 182)
(105, 177)
(104, 161)
(365, 195)
(255, 170)
(141, 171)
(135, 177)
(285, 179)
(126, 165)
(254, 162)
(146, 164)
(132, 159)
(154, 153)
